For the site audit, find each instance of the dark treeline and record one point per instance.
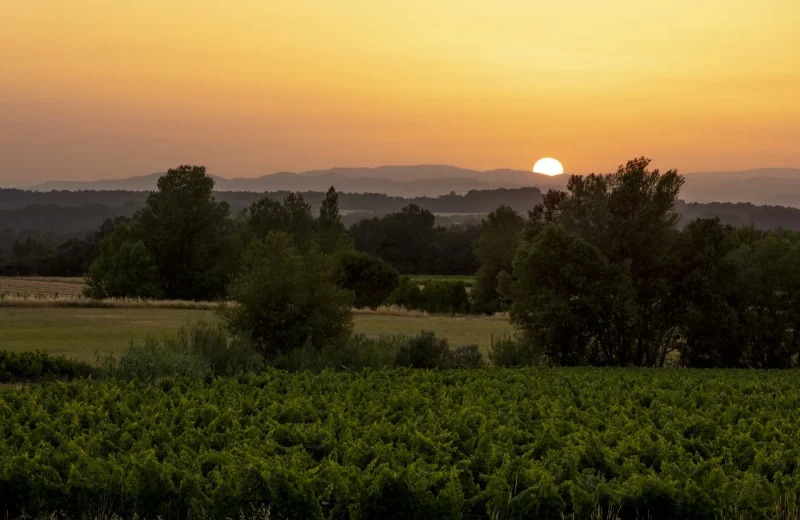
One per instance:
(411, 242)
(30, 256)
(475, 201)
(408, 240)
(59, 215)
(51, 233)
(52, 218)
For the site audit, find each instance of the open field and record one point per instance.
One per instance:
(40, 287)
(80, 332)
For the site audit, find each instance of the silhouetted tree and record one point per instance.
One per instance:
(187, 233)
(500, 234)
(707, 294)
(332, 233)
(618, 298)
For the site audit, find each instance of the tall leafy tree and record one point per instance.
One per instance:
(629, 217)
(564, 297)
(500, 234)
(187, 232)
(707, 292)
(769, 285)
(332, 234)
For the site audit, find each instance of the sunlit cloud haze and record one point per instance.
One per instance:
(98, 89)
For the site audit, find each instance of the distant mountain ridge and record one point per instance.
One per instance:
(401, 181)
(765, 186)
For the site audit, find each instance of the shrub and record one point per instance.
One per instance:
(408, 294)
(39, 365)
(509, 351)
(154, 359)
(436, 296)
(287, 299)
(359, 353)
(227, 355)
(424, 350)
(371, 279)
(468, 356)
(445, 297)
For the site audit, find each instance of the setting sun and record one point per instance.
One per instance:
(548, 166)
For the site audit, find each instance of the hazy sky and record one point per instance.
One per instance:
(105, 89)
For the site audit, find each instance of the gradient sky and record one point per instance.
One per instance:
(98, 89)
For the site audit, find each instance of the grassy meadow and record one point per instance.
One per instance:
(40, 287)
(80, 332)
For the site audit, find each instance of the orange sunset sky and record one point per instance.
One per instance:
(108, 89)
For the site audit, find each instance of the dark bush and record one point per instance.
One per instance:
(509, 351)
(227, 355)
(445, 297)
(424, 350)
(359, 353)
(408, 294)
(30, 366)
(370, 278)
(468, 356)
(436, 296)
(154, 359)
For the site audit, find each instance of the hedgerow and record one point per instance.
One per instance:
(523, 443)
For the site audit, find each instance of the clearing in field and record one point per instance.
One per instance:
(81, 332)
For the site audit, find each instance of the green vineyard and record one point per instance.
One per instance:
(407, 444)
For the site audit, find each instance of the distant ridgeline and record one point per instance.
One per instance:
(64, 214)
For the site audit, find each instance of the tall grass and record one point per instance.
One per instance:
(27, 300)
(42, 301)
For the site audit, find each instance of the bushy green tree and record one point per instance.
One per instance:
(564, 298)
(769, 289)
(707, 286)
(500, 232)
(125, 268)
(187, 232)
(286, 299)
(371, 279)
(611, 295)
